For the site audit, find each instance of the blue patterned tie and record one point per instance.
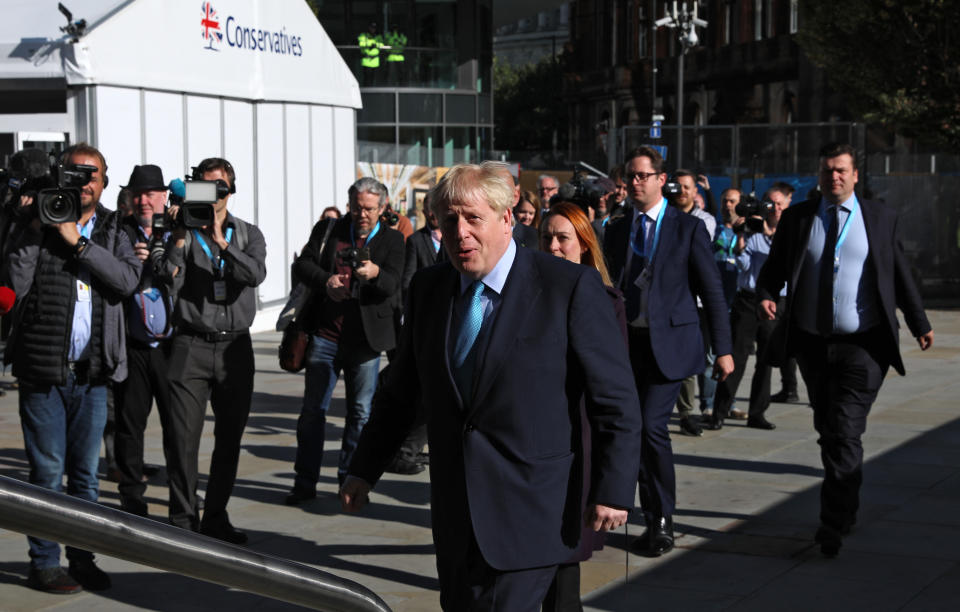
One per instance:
(637, 262)
(463, 357)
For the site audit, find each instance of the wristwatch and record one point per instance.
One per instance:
(81, 244)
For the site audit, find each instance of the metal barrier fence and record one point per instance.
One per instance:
(40, 512)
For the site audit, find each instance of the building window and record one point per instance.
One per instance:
(794, 16)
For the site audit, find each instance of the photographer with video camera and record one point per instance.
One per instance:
(753, 246)
(149, 327)
(72, 268)
(214, 262)
(353, 267)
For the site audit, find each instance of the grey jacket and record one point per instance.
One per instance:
(43, 271)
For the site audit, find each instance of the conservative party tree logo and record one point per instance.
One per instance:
(211, 26)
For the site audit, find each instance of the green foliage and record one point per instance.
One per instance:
(897, 62)
(528, 106)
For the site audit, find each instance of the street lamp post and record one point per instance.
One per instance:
(685, 21)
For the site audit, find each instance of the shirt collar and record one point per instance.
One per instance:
(651, 214)
(497, 277)
(847, 205)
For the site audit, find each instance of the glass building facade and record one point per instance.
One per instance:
(433, 108)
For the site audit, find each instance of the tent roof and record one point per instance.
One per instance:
(271, 50)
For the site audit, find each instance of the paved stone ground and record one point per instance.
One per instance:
(747, 512)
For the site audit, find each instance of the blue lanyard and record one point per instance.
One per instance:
(353, 241)
(206, 249)
(656, 233)
(87, 228)
(843, 235)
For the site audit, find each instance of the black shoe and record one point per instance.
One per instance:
(224, 531)
(423, 458)
(296, 496)
(783, 396)
(714, 424)
(86, 572)
(661, 537)
(135, 506)
(690, 427)
(403, 466)
(758, 422)
(53, 580)
(829, 541)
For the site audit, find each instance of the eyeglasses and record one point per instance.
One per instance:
(363, 210)
(643, 176)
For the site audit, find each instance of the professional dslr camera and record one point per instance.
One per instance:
(353, 256)
(196, 206)
(753, 211)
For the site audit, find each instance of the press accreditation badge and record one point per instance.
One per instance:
(83, 291)
(219, 291)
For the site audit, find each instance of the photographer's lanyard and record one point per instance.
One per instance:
(217, 261)
(843, 235)
(353, 241)
(656, 235)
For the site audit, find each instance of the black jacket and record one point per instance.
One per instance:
(894, 283)
(376, 298)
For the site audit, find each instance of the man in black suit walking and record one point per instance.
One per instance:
(845, 273)
(500, 345)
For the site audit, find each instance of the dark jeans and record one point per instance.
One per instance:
(146, 380)
(843, 375)
(223, 372)
(325, 361)
(62, 429)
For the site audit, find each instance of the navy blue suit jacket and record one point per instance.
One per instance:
(507, 463)
(895, 285)
(683, 268)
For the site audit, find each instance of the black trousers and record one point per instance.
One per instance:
(146, 381)
(843, 375)
(223, 372)
(746, 327)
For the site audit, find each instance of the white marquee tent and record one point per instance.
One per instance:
(171, 82)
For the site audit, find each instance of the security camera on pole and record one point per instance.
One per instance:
(685, 21)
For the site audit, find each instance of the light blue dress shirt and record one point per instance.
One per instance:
(855, 304)
(491, 298)
(83, 308)
(751, 259)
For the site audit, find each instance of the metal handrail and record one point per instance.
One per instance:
(47, 514)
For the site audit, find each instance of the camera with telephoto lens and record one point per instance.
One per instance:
(196, 207)
(354, 256)
(753, 211)
(61, 204)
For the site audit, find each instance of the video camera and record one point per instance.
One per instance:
(196, 206)
(389, 217)
(580, 191)
(55, 188)
(353, 256)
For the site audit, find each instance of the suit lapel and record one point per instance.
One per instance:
(519, 300)
(442, 310)
(806, 225)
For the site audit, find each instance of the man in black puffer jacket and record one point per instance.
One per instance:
(67, 342)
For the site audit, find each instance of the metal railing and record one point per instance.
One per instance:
(43, 513)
